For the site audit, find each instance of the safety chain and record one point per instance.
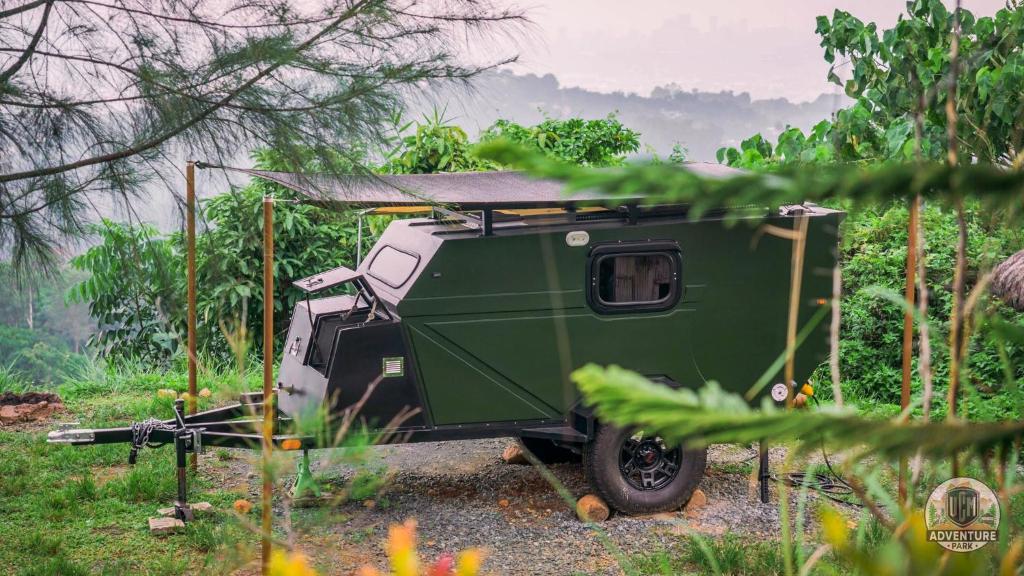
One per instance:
(141, 431)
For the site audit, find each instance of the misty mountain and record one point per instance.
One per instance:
(702, 122)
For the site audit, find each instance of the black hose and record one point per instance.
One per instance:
(830, 485)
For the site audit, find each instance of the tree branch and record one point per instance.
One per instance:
(7, 74)
(226, 100)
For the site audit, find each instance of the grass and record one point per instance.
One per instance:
(68, 510)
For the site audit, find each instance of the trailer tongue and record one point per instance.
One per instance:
(233, 426)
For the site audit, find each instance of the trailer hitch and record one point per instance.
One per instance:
(233, 426)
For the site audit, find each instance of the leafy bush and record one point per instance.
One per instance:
(133, 291)
(30, 356)
(874, 256)
(603, 142)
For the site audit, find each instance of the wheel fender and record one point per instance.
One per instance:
(583, 419)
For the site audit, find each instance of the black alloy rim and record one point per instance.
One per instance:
(648, 463)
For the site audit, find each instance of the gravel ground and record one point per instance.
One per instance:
(463, 495)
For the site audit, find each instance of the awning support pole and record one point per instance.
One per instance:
(268, 378)
(190, 234)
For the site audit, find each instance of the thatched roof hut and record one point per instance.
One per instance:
(1008, 281)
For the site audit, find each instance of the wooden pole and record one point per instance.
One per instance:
(268, 374)
(957, 316)
(908, 329)
(795, 280)
(190, 233)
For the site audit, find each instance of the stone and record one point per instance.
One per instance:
(696, 502)
(164, 526)
(197, 508)
(14, 413)
(591, 508)
(513, 454)
(504, 503)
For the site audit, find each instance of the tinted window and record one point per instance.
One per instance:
(635, 278)
(393, 266)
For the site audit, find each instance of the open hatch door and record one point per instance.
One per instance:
(365, 297)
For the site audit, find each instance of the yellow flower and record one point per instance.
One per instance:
(834, 526)
(401, 548)
(166, 393)
(289, 564)
(469, 562)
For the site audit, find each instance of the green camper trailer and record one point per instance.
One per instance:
(465, 322)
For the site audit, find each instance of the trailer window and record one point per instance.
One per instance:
(624, 279)
(393, 266)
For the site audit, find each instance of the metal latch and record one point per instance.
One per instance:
(70, 436)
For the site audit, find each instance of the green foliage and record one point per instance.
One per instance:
(896, 70)
(131, 291)
(34, 357)
(435, 146)
(37, 302)
(874, 257)
(711, 415)
(898, 74)
(602, 142)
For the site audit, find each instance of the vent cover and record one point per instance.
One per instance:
(394, 367)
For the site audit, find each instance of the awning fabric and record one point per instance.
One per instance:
(459, 191)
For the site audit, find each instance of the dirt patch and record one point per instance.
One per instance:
(13, 399)
(103, 474)
(28, 412)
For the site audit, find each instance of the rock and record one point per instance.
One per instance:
(197, 508)
(696, 502)
(513, 454)
(369, 504)
(11, 414)
(590, 508)
(504, 503)
(163, 526)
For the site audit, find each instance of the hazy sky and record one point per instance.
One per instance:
(766, 48)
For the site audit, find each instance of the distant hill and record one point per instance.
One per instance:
(700, 121)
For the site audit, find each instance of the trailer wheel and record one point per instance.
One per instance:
(640, 474)
(547, 451)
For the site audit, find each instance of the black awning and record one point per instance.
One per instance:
(460, 191)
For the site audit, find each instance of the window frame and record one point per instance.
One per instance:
(598, 253)
(412, 272)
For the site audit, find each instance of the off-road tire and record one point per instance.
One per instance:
(601, 461)
(548, 452)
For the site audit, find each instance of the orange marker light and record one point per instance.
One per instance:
(822, 301)
(291, 444)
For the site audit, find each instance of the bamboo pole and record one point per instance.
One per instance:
(190, 233)
(908, 329)
(795, 281)
(956, 340)
(268, 376)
